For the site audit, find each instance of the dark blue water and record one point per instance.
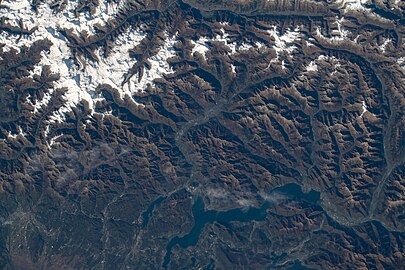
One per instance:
(146, 215)
(202, 217)
(294, 191)
(298, 266)
(211, 266)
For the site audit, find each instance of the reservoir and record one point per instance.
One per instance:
(146, 215)
(202, 217)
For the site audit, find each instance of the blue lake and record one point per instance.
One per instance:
(202, 217)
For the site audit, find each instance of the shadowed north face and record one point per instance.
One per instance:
(192, 134)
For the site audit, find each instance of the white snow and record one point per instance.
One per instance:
(283, 43)
(39, 103)
(81, 82)
(339, 38)
(364, 108)
(356, 5)
(309, 44)
(312, 66)
(289, 37)
(383, 46)
(224, 38)
(233, 68)
(52, 141)
(332, 60)
(111, 70)
(21, 9)
(58, 117)
(201, 44)
(12, 135)
(342, 33)
(401, 63)
(15, 135)
(159, 66)
(283, 65)
(339, 34)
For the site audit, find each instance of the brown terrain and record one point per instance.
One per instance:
(287, 153)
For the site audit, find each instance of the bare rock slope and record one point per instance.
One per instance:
(188, 134)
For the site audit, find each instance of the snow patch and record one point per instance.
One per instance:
(356, 5)
(283, 65)
(15, 10)
(81, 82)
(45, 100)
(200, 46)
(20, 131)
(52, 141)
(364, 108)
(401, 63)
(159, 66)
(339, 35)
(341, 32)
(312, 66)
(233, 68)
(233, 46)
(111, 70)
(283, 42)
(383, 46)
(57, 117)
